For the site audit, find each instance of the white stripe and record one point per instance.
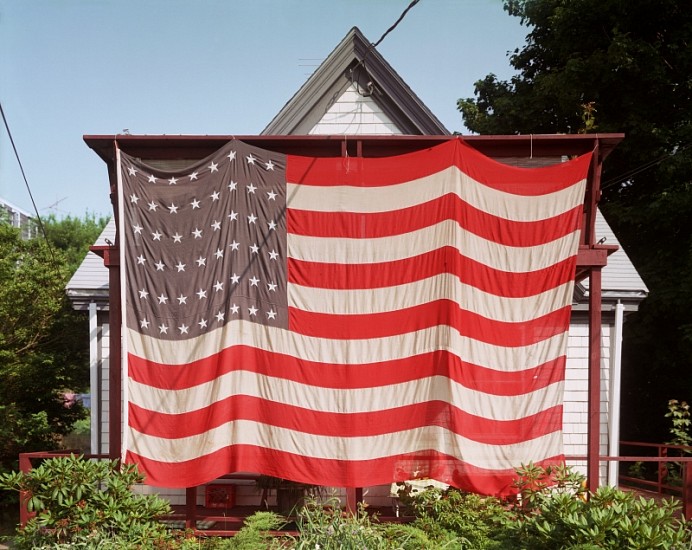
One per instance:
(346, 401)
(245, 432)
(338, 250)
(348, 352)
(450, 180)
(443, 286)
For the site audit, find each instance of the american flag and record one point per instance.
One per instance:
(347, 321)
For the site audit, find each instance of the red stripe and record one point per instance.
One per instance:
(443, 260)
(431, 314)
(340, 473)
(448, 207)
(371, 423)
(377, 172)
(438, 363)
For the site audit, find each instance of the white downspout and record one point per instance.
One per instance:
(93, 377)
(614, 412)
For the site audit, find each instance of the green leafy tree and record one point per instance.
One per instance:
(43, 342)
(73, 235)
(616, 66)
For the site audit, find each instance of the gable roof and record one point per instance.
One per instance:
(90, 282)
(355, 63)
(621, 281)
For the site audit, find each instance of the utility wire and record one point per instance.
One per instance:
(26, 182)
(390, 29)
(643, 167)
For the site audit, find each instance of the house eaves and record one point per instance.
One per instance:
(90, 282)
(355, 62)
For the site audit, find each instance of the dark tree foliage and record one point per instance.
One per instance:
(43, 342)
(619, 66)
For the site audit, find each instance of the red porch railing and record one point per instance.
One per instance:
(660, 455)
(661, 480)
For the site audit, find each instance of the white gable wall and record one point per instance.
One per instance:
(355, 114)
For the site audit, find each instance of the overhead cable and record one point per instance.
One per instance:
(26, 182)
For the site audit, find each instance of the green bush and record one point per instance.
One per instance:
(328, 528)
(455, 519)
(83, 502)
(255, 534)
(565, 515)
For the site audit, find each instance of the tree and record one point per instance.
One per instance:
(73, 236)
(619, 66)
(43, 342)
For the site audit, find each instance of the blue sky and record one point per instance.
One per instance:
(75, 67)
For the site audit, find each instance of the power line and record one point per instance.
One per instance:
(375, 44)
(643, 167)
(390, 29)
(26, 182)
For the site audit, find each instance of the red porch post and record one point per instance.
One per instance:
(594, 415)
(111, 259)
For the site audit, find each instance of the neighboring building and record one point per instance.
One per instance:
(18, 218)
(356, 92)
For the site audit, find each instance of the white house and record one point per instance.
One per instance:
(355, 92)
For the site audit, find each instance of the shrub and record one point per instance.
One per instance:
(84, 502)
(326, 527)
(565, 515)
(455, 519)
(255, 534)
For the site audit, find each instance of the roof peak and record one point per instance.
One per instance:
(355, 61)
